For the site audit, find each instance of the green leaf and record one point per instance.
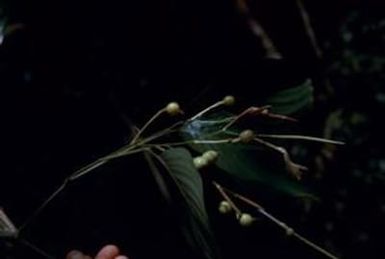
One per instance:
(195, 227)
(248, 162)
(292, 100)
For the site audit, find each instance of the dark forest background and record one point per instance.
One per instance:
(75, 77)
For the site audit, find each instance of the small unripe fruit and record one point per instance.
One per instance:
(173, 108)
(200, 162)
(224, 207)
(210, 155)
(229, 100)
(245, 219)
(246, 136)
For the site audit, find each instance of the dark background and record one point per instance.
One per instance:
(77, 75)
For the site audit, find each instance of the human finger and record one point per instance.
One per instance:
(75, 254)
(108, 252)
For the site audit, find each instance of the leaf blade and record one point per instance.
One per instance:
(196, 227)
(292, 100)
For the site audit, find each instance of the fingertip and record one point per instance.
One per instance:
(121, 257)
(75, 254)
(108, 252)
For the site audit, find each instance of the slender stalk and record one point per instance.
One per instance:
(227, 198)
(194, 141)
(103, 161)
(148, 123)
(173, 128)
(250, 110)
(8, 229)
(289, 231)
(301, 137)
(258, 30)
(308, 28)
(219, 141)
(201, 113)
(36, 249)
(294, 168)
(314, 246)
(73, 177)
(43, 205)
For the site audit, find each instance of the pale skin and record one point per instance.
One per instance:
(107, 252)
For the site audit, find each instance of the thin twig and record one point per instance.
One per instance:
(7, 228)
(73, 177)
(301, 137)
(250, 110)
(173, 128)
(35, 249)
(148, 123)
(259, 31)
(201, 113)
(194, 141)
(43, 205)
(123, 151)
(294, 168)
(227, 198)
(289, 230)
(309, 29)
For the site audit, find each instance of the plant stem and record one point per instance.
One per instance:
(79, 173)
(201, 113)
(250, 110)
(148, 123)
(289, 231)
(258, 30)
(292, 167)
(308, 28)
(8, 229)
(43, 205)
(227, 198)
(35, 249)
(300, 137)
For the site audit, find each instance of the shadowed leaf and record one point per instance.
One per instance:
(292, 100)
(196, 226)
(247, 162)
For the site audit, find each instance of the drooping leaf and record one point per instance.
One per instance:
(249, 162)
(195, 225)
(292, 100)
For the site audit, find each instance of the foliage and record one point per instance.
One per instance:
(90, 100)
(237, 155)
